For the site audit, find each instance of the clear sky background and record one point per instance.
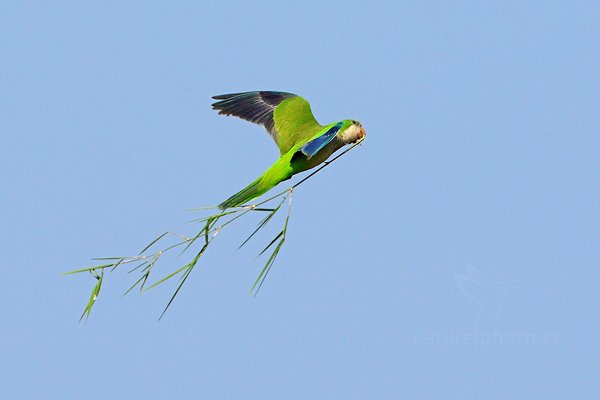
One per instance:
(454, 255)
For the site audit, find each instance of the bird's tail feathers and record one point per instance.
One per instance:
(248, 193)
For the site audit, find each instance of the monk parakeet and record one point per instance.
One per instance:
(303, 143)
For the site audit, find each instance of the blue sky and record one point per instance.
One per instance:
(453, 255)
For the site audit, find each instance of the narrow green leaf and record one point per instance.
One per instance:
(77, 271)
(202, 208)
(219, 215)
(264, 222)
(117, 264)
(270, 244)
(134, 285)
(94, 296)
(172, 274)
(191, 264)
(153, 242)
(265, 271)
(185, 276)
(138, 267)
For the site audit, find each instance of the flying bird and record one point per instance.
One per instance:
(303, 143)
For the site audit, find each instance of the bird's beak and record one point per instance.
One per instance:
(361, 133)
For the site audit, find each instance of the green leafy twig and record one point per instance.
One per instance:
(280, 238)
(144, 263)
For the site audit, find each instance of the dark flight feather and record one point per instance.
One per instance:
(256, 107)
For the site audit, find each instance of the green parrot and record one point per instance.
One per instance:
(303, 143)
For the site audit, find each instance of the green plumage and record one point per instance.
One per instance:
(290, 122)
(294, 122)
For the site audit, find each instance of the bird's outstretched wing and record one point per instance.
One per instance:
(286, 116)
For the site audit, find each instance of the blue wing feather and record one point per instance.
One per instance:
(314, 146)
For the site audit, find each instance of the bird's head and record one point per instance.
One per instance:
(352, 131)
